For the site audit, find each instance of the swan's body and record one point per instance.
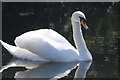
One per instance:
(48, 45)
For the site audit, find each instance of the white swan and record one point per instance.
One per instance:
(48, 45)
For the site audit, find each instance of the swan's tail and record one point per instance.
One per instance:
(21, 53)
(10, 48)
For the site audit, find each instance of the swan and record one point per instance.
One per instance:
(48, 45)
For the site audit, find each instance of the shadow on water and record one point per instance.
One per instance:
(49, 70)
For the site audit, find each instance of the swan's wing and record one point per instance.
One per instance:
(46, 35)
(46, 43)
(21, 53)
(55, 38)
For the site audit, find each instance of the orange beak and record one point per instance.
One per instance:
(84, 24)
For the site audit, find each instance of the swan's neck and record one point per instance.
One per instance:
(79, 40)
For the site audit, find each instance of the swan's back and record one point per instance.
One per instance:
(47, 44)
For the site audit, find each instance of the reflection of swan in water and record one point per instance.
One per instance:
(48, 70)
(48, 45)
(82, 70)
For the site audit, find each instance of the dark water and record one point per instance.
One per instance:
(102, 39)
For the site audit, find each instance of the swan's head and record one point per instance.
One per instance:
(79, 17)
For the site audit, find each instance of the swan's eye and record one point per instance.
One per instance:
(82, 19)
